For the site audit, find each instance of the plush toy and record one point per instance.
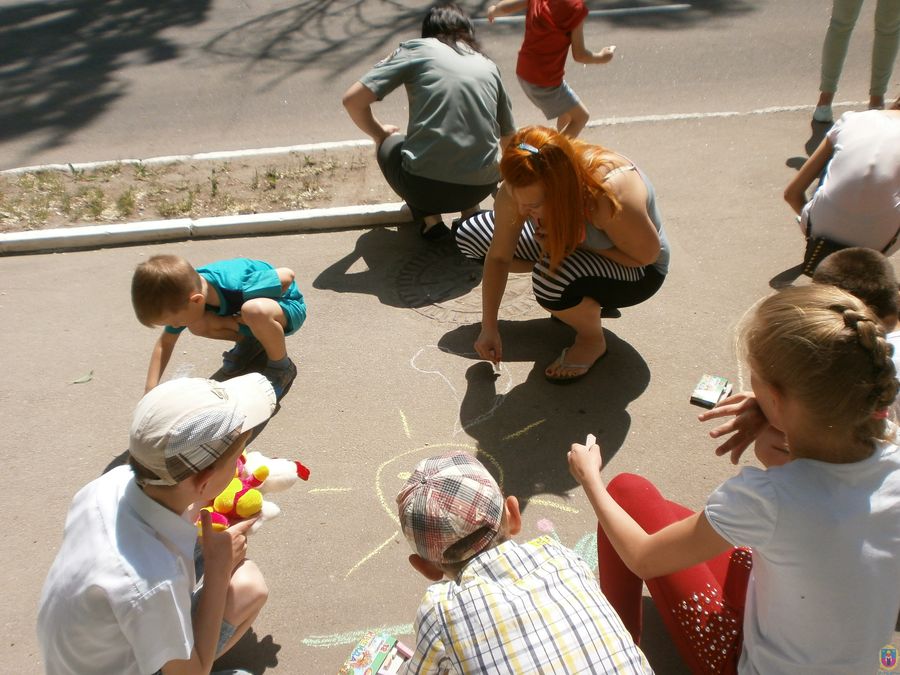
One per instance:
(254, 475)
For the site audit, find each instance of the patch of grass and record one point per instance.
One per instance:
(94, 201)
(125, 204)
(180, 207)
(119, 192)
(271, 177)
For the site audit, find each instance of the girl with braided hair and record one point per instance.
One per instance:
(791, 568)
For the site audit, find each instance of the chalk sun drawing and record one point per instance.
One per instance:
(393, 472)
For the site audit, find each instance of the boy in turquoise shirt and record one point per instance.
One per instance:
(247, 301)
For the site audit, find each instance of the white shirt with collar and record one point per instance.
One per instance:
(117, 598)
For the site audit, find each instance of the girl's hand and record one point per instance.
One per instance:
(748, 422)
(771, 447)
(489, 346)
(585, 461)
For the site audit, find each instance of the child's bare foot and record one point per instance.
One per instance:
(605, 55)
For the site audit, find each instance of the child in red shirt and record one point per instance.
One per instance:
(550, 27)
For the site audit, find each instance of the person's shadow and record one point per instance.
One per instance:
(528, 430)
(402, 269)
(817, 132)
(250, 653)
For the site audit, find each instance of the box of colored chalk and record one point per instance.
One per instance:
(376, 653)
(710, 390)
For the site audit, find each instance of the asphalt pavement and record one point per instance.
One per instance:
(387, 372)
(388, 376)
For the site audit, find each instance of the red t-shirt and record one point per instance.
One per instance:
(548, 28)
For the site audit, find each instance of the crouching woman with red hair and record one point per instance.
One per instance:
(583, 220)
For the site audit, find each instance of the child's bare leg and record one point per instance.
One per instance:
(265, 318)
(247, 594)
(573, 120)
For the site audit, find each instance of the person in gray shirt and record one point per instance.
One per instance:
(459, 119)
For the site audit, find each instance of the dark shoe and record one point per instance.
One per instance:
(236, 359)
(281, 378)
(434, 232)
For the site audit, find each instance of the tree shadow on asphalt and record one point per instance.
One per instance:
(59, 59)
(528, 429)
(340, 35)
(401, 269)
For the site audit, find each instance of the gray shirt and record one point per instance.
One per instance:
(458, 110)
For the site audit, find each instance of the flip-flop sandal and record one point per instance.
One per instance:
(561, 363)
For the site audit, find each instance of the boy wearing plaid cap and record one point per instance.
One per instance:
(122, 594)
(498, 606)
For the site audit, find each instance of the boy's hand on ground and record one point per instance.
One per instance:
(747, 422)
(585, 461)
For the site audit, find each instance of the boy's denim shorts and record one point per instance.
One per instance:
(552, 101)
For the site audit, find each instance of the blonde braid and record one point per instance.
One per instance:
(883, 384)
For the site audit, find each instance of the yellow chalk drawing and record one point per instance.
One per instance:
(372, 553)
(552, 505)
(405, 424)
(522, 432)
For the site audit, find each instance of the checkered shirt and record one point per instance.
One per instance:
(523, 608)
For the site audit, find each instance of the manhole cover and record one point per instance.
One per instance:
(442, 284)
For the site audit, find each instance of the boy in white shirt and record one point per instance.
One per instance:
(122, 594)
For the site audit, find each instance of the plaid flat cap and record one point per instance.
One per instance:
(448, 499)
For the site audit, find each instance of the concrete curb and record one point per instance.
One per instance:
(306, 220)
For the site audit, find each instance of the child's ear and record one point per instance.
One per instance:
(197, 298)
(201, 478)
(513, 516)
(427, 569)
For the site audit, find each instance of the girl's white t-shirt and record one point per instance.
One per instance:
(825, 587)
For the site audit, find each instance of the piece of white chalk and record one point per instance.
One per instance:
(590, 440)
(496, 367)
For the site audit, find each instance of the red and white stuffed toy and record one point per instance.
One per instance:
(254, 476)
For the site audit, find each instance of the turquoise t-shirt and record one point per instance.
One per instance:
(240, 279)
(458, 110)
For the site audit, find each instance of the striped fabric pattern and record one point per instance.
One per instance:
(473, 238)
(523, 608)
